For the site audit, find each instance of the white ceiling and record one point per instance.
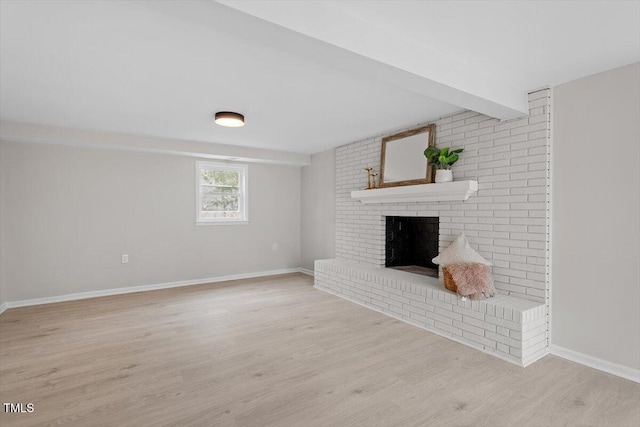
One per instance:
(307, 75)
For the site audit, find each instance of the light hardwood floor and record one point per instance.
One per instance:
(276, 352)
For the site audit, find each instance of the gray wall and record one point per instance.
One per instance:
(318, 209)
(69, 213)
(596, 216)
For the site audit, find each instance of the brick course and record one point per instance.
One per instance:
(511, 328)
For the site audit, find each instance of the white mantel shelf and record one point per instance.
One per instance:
(445, 192)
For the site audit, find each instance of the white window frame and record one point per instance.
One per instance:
(243, 186)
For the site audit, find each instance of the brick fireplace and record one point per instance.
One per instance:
(506, 221)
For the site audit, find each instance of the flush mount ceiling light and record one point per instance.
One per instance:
(229, 119)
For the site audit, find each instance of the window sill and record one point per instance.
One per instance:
(208, 223)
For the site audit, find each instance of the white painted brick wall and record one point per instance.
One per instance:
(507, 220)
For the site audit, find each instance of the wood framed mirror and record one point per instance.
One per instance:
(402, 161)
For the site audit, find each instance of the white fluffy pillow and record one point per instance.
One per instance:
(459, 252)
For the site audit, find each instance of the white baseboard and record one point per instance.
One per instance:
(306, 271)
(144, 288)
(595, 363)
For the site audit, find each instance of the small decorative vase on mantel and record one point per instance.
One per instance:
(444, 175)
(443, 160)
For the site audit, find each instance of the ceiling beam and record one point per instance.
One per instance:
(44, 134)
(322, 31)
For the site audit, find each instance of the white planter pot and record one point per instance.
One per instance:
(444, 175)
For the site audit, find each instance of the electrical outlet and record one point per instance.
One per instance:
(125, 258)
(274, 246)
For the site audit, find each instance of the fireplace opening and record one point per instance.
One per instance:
(412, 242)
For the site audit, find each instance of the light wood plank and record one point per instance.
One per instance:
(276, 352)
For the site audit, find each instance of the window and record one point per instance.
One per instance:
(221, 193)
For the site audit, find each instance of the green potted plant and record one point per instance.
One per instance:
(443, 159)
